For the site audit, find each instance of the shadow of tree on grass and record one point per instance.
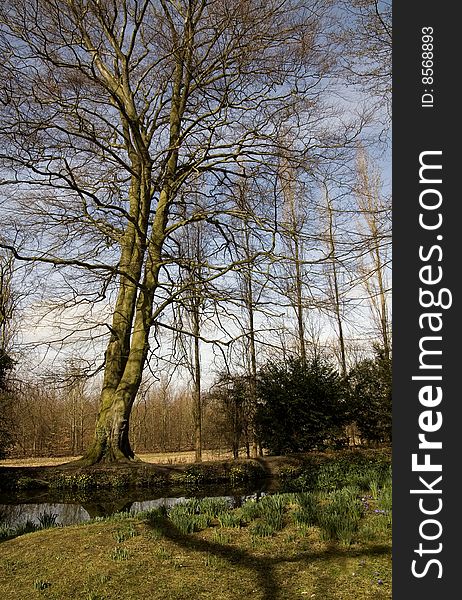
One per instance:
(262, 567)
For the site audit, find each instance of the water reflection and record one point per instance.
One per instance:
(71, 511)
(12, 515)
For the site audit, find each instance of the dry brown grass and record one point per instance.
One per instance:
(36, 461)
(168, 458)
(185, 457)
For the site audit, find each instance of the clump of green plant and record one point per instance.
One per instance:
(385, 500)
(119, 553)
(307, 512)
(272, 510)
(229, 519)
(154, 515)
(191, 506)
(186, 520)
(123, 534)
(262, 529)
(276, 501)
(155, 534)
(12, 532)
(340, 473)
(119, 536)
(380, 521)
(339, 515)
(40, 585)
(156, 519)
(374, 488)
(213, 561)
(81, 481)
(333, 474)
(27, 527)
(250, 511)
(220, 537)
(115, 517)
(47, 520)
(212, 507)
(373, 529)
(202, 521)
(162, 553)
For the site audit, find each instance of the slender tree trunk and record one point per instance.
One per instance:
(197, 384)
(252, 354)
(294, 245)
(236, 429)
(383, 312)
(336, 291)
(247, 445)
(299, 310)
(247, 278)
(370, 202)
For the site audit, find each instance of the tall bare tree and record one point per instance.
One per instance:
(376, 230)
(192, 273)
(293, 233)
(333, 279)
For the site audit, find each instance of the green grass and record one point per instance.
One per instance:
(329, 545)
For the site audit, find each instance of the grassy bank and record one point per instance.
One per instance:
(325, 545)
(301, 467)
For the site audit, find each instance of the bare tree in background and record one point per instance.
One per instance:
(191, 307)
(293, 240)
(376, 230)
(366, 44)
(251, 190)
(334, 279)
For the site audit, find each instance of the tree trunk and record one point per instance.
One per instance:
(123, 373)
(336, 292)
(299, 310)
(294, 244)
(249, 302)
(111, 439)
(197, 386)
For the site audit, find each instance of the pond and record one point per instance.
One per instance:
(72, 508)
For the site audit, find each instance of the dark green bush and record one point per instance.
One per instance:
(302, 406)
(370, 406)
